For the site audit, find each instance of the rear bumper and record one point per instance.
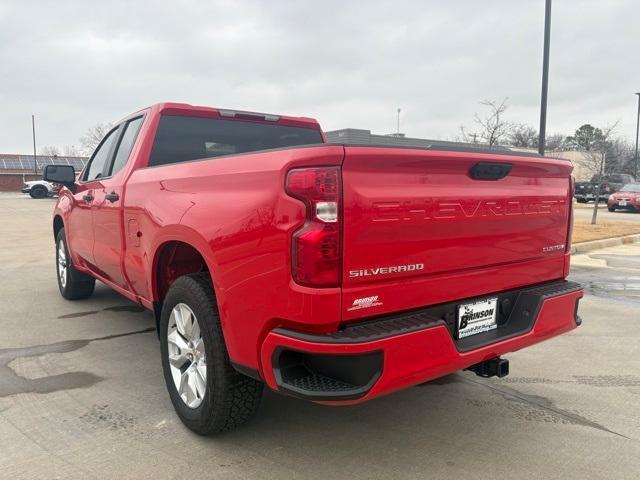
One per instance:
(630, 205)
(373, 358)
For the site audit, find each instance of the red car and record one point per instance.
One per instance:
(627, 198)
(332, 273)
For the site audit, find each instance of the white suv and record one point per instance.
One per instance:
(40, 188)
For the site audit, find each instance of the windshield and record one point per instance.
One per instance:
(631, 187)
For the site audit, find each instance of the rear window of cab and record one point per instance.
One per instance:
(183, 138)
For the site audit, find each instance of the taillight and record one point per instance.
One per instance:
(316, 246)
(572, 186)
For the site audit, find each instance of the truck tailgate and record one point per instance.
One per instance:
(420, 230)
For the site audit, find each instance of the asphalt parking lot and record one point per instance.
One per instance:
(82, 393)
(584, 211)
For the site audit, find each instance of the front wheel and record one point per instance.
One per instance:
(208, 394)
(38, 192)
(73, 284)
(611, 209)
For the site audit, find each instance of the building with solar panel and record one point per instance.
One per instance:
(16, 169)
(25, 163)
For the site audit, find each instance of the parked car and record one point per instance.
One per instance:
(586, 191)
(627, 198)
(40, 188)
(332, 273)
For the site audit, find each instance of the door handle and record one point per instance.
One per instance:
(112, 197)
(87, 198)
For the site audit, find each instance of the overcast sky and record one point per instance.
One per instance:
(348, 64)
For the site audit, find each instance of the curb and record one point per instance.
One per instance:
(584, 247)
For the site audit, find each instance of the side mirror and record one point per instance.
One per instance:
(63, 174)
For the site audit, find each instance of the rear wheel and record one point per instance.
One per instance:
(73, 284)
(38, 192)
(208, 394)
(581, 200)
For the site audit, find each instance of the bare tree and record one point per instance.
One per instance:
(554, 142)
(93, 137)
(468, 137)
(523, 136)
(620, 156)
(491, 129)
(50, 151)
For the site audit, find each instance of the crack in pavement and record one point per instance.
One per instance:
(117, 308)
(543, 403)
(11, 383)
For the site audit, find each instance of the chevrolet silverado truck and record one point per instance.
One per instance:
(332, 273)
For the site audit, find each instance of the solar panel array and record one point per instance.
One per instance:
(25, 162)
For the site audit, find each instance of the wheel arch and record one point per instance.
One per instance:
(58, 224)
(179, 253)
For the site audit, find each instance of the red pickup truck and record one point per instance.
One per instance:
(332, 273)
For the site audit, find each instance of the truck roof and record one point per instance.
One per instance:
(176, 108)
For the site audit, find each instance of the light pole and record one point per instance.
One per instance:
(635, 163)
(33, 130)
(398, 131)
(545, 77)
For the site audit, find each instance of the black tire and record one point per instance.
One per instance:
(611, 209)
(38, 192)
(230, 398)
(77, 285)
(581, 200)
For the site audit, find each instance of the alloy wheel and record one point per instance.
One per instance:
(187, 359)
(62, 264)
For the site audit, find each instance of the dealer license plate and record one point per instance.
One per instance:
(477, 317)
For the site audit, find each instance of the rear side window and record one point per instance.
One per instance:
(189, 138)
(100, 157)
(126, 144)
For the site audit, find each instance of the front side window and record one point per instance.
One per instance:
(180, 138)
(126, 144)
(100, 157)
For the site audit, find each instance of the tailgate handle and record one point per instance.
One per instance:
(489, 171)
